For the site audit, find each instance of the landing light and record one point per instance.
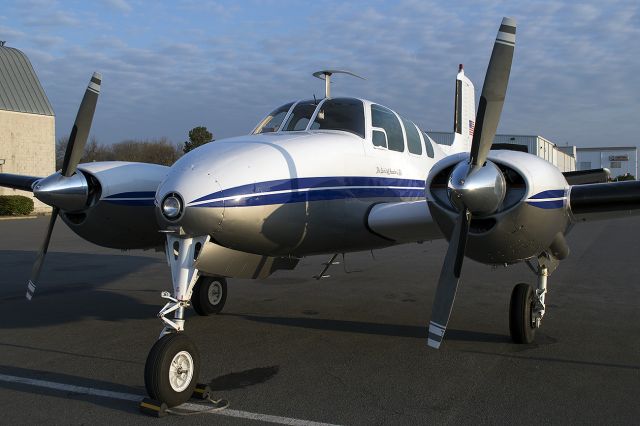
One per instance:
(171, 206)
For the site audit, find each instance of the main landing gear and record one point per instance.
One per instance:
(173, 365)
(527, 306)
(209, 295)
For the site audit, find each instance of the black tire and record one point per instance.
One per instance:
(209, 295)
(157, 369)
(520, 314)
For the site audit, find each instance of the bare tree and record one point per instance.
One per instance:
(61, 147)
(157, 151)
(94, 151)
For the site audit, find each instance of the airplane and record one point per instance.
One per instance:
(327, 176)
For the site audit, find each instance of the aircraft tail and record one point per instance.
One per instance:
(464, 114)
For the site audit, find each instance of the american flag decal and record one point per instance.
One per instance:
(472, 125)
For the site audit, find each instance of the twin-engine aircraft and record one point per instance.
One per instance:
(327, 176)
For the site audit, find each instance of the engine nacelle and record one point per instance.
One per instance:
(120, 209)
(531, 219)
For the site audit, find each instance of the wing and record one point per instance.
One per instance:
(600, 201)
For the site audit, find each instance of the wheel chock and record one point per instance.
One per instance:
(202, 391)
(153, 408)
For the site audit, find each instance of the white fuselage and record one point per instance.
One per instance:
(294, 192)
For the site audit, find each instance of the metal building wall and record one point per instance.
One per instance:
(610, 158)
(536, 145)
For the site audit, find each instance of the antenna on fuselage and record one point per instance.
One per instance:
(326, 76)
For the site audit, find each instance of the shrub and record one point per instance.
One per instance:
(14, 205)
(627, 176)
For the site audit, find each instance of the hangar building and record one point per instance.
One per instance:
(620, 160)
(27, 122)
(562, 157)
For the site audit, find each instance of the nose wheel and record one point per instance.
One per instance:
(172, 369)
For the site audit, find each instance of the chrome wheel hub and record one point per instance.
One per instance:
(181, 371)
(214, 293)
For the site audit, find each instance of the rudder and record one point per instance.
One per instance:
(464, 114)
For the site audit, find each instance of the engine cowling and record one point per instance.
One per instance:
(531, 216)
(119, 211)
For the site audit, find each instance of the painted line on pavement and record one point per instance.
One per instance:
(83, 390)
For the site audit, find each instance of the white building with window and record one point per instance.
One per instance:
(561, 157)
(620, 160)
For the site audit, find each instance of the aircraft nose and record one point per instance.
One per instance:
(175, 197)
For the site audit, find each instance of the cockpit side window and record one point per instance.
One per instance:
(413, 137)
(300, 116)
(341, 114)
(272, 122)
(384, 118)
(427, 144)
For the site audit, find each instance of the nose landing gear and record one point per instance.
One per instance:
(173, 364)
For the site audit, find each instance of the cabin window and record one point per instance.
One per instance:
(340, 114)
(300, 116)
(379, 138)
(272, 122)
(428, 145)
(385, 119)
(413, 137)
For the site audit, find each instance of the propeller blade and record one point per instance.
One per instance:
(448, 281)
(493, 92)
(81, 127)
(37, 266)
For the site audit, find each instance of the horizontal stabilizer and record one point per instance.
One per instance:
(23, 183)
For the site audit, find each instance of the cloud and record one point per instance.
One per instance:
(56, 18)
(119, 5)
(225, 66)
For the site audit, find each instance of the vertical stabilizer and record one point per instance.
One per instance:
(464, 114)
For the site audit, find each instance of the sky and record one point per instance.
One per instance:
(169, 66)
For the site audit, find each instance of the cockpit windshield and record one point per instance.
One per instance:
(345, 114)
(300, 116)
(340, 114)
(272, 122)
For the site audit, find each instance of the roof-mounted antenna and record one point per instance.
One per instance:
(326, 76)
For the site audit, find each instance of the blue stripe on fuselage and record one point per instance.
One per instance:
(552, 193)
(314, 195)
(139, 194)
(308, 183)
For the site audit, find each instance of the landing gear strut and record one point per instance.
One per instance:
(173, 365)
(527, 306)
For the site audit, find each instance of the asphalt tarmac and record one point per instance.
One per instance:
(350, 349)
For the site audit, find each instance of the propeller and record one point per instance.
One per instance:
(72, 156)
(476, 187)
